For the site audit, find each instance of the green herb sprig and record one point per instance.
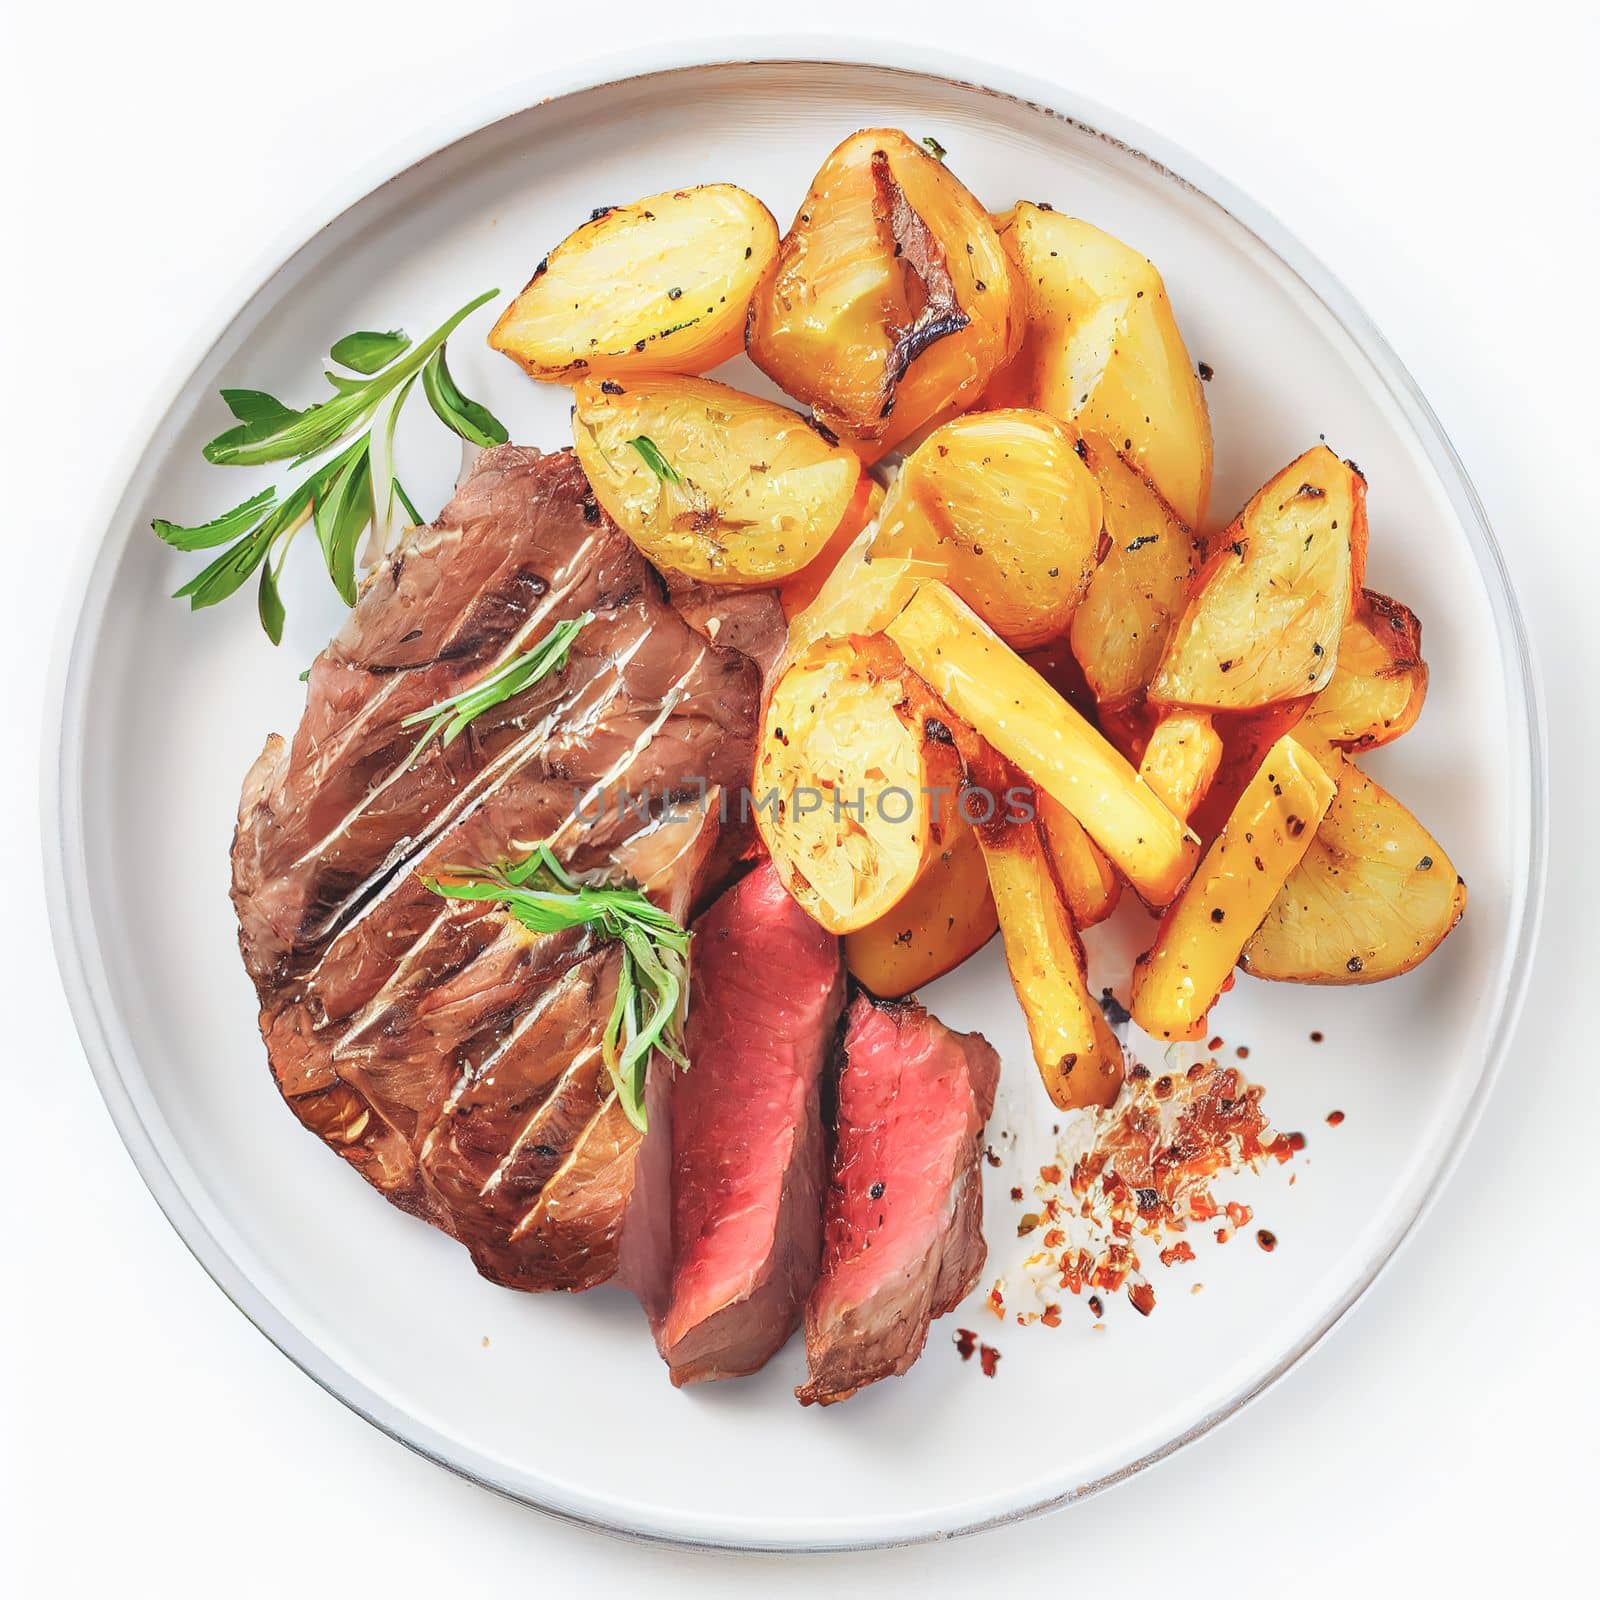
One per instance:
(653, 985)
(448, 719)
(352, 490)
(650, 454)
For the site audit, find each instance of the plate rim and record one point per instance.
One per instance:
(74, 936)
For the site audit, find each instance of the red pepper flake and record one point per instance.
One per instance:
(988, 1359)
(1054, 1239)
(966, 1343)
(997, 1302)
(1266, 1239)
(1335, 1118)
(1238, 1214)
(1016, 1194)
(1050, 1174)
(1243, 1052)
(1051, 1317)
(1181, 1251)
(1214, 1043)
(1223, 1235)
(1096, 1305)
(1143, 1298)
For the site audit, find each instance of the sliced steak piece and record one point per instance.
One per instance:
(904, 1220)
(447, 1054)
(748, 1155)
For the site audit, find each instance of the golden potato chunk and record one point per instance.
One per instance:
(1139, 590)
(890, 302)
(658, 286)
(973, 670)
(862, 595)
(1266, 611)
(1177, 981)
(1380, 680)
(855, 780)
(1089, 882)
(947, 916)
(1374, 896)
(1102, 350)
(1181, 759)
(799, 591)
(1000, 500)
(1079, 1059)
(708, 481)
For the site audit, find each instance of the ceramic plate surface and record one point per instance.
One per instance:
(561, 1401)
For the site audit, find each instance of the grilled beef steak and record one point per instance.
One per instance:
(904, 1223)
(748, 1156)
(450, 1056)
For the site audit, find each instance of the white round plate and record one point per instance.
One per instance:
(561, 1401)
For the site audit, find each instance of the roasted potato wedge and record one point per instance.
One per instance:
(708, 481)
(1177, 981)
(1380, 680)
(970, 668)
(1102, 350)
(1000, 500)
(862, 595)
(865, 505)
(659, 286)
(852, 766)
(1077, 1055)
(890, 302)
(1089, 882)
(1374, 896)
(1139, 590)
(1181, 759)
(1265, 614)
(947, 915)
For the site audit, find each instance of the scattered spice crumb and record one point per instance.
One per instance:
(1214, 1044)
(1096, 1305)
(1316, 1036)
(1243, 1052)
(1266, 1239)
(966, 1343)
(997, 1301)
(1238, 1213)
(1195, 1288)
(1143, 1298)
(1051, 1317)
(1335, 1118)
(988, 1359)
(1207, 371)
(486, 1341)
(1181, 1251)
(991, 1157)
(1224, 1235)
(1016, 1194)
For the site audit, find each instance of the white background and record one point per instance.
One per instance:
(151, 1440)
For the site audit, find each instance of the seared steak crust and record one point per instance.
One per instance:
(450, 1056)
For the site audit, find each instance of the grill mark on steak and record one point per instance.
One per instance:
(446, 1053)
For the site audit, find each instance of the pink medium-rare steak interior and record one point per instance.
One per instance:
(903, 1240)
(748, 1145)
(449, 1055)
